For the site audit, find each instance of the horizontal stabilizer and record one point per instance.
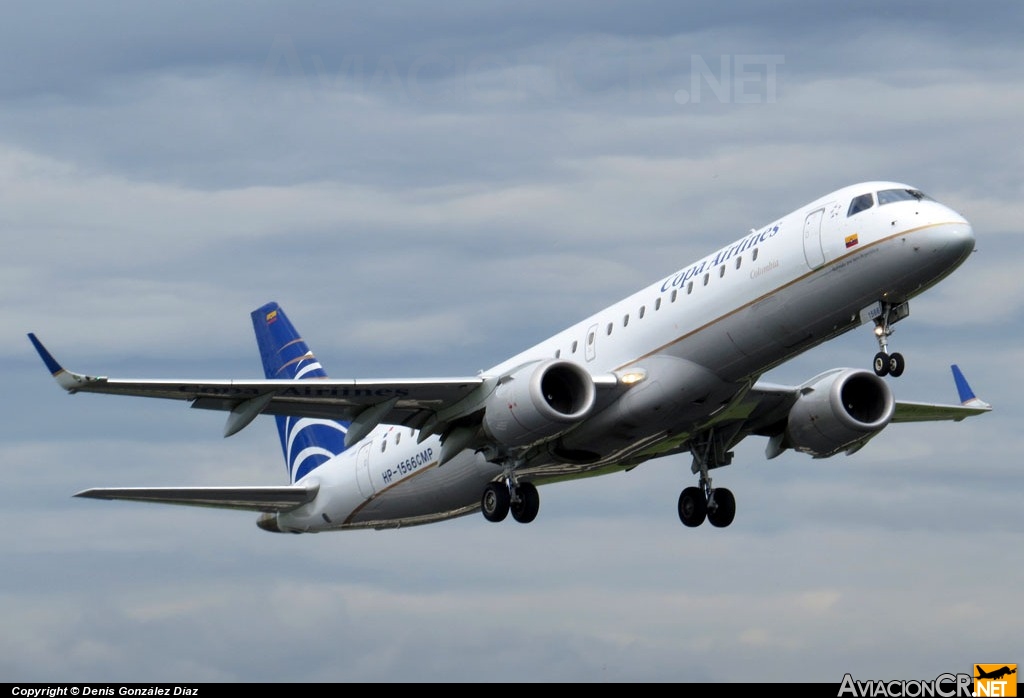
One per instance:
(268, 499)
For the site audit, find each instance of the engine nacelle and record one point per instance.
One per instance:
(538, 401)
(839, 411)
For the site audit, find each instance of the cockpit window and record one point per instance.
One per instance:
(860, 203)
(888, 196)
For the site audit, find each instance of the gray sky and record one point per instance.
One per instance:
(427, 190)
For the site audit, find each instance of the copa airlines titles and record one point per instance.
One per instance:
(720, 257)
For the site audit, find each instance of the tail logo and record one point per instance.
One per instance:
(310, 443)
(307, 442)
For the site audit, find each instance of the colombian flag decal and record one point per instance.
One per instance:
(272, 315)
(851, 241)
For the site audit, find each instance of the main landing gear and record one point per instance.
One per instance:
(886, 363)
(504, 496)
(717, 505)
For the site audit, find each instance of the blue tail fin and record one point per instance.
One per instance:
(306, 442)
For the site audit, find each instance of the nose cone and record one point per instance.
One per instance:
(950, 235)
(958, 232)
(963, 235)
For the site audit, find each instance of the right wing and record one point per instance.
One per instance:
(969, 405)
(767, 409)
(770, 403)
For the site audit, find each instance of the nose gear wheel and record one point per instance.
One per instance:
(886, 364)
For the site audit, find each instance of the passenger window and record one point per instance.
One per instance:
(721, 271)
(383, 445)
(657, 303)
(753, 255)
(689, 288)
(625, 320)
(707, 277)
(738, 260)
(673, 295)
(590, 339)
(860, 203)
(643, 309)
(575, 344)
(610, 326)
(558, 353)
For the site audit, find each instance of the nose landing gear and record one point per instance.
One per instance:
(886, 364)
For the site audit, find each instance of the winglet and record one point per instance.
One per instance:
(68, 380)
(967, 396)
(47, 357)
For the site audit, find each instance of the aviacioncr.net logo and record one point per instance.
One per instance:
(943, 686)
(995, 680)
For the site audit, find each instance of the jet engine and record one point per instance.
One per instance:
(538, 401)
(838, 411)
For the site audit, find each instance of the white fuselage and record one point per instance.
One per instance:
(701, 335)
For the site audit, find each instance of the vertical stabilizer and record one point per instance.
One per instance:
(307, 443)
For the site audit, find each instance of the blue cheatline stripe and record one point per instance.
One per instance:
(305, 443)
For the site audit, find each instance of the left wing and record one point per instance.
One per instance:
(365, 402)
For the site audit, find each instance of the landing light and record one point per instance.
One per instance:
(632, 377)
(879, 330)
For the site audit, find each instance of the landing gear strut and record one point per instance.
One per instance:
(717, 505)
(886, 363)
(506, 495)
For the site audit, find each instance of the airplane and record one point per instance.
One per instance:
(996, 674)
(672, 369)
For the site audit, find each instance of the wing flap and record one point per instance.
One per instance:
(264, 499)
(225, 394)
